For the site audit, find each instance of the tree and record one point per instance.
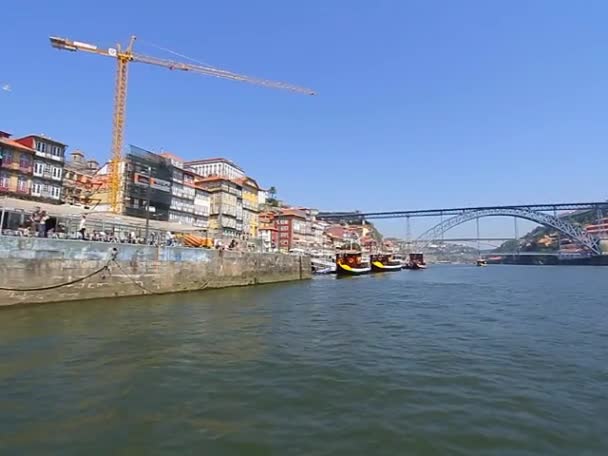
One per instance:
(272, 196)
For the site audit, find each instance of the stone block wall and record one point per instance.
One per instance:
(32, 263)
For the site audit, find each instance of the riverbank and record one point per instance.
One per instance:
(550, 260)
(34, 270)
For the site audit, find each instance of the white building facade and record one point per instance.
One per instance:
(220, 167)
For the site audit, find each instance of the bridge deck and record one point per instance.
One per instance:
(551, 207)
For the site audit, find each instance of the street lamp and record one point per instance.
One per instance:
(148, 204)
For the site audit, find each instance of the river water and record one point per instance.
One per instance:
(451, 360)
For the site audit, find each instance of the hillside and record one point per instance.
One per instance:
(545, 239)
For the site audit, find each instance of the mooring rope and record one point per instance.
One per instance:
(105, 267)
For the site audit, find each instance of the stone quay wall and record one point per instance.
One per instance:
(138, 269)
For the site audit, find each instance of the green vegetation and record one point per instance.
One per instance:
(546, 239)
(272, 197)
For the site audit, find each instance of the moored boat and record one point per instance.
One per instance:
(481, 262)
(415, 261)
(350, 263)
(385, 263)
(322, 266)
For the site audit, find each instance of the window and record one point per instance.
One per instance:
(40, 146)
(56, 173)
(55, 192)
(3, 181)
(7, 157)
(22, 185)
(36, 189)
(38, 169)
(25, 162)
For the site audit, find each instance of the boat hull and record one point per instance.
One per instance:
(378, 266)
(415, 266)
(343, 269)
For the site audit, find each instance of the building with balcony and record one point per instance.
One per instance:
(251, 206)
(183, 191)
(225, 205)
(146, 174)
(16, 167)
(216, 167)
(47, 175)
(292, 229)
(79, 180)
(201, 208)
(267, 230)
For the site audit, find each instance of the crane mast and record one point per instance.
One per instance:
(123, 58)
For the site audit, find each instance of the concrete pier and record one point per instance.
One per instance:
(137, 269)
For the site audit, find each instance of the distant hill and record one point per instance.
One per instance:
(543, 238)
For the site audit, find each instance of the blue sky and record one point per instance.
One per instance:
(421, 103)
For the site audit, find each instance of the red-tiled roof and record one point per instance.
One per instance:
(243, 180)
(16, 145)
(293, 213)
(171, 156)
(46, 138)
(212, 179)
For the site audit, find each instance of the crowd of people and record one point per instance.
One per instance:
(40, 224)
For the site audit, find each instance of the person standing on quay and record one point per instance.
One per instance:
(35, 221)
(82, 226)
(42, 224)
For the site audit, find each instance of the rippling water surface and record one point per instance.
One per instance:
(452, 360)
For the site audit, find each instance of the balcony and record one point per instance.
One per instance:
(250, 206)
(17, 166)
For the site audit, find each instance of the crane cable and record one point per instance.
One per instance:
(176, 53)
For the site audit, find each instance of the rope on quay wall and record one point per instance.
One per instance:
(144, 288)
(105, 267)
(135, 282)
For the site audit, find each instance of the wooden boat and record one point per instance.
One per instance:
(415, 261)
(350, 263)
(481, 262)
(385, 263)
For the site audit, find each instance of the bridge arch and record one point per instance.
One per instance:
(568, 229)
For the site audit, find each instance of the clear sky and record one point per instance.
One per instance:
(421, 104)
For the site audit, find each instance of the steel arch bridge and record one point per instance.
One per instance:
(578, 235)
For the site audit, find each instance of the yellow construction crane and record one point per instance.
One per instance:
(123, 58)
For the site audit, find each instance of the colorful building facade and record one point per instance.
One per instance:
(291, 226)
(79, 182)
(16, 167)
(47, 174)
(225, 205)
(251, 206)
